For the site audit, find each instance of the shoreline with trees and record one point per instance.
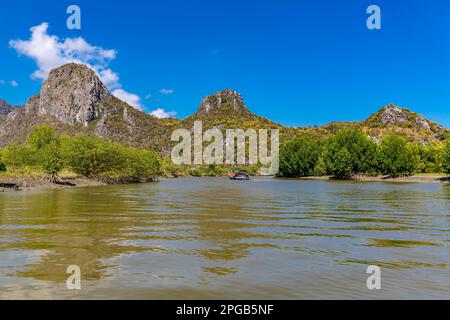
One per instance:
(48, 160)
(352, 155)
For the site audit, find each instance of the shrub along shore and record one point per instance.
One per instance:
(47, 158)
(350, 154)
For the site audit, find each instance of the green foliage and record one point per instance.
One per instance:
(342, 165)
(358, 152)
(169, 169)
(299, 157)
(431, 159)
(321, 167)
(41, 136)
(398, 158)
(19, 156)
(197, 172)
(95, 157)
(446, 157)
(140, 163)
(84, 155)
(210, 171)
(2, 165)
(214, 171)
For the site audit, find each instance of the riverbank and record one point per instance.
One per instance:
(28, 184)
(70, 181)
(420, 178)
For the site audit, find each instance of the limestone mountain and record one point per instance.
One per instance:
(73, 94)
(75, 101)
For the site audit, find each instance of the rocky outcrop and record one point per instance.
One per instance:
(5, 108)
(422, 123)
(72, 94)
(224, 102)
(393, 115)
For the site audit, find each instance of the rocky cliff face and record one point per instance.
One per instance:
(72, 94)
(393, 115)
(5, 108)
(226, 102)
(405, 122)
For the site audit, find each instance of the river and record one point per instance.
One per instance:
(211, 238)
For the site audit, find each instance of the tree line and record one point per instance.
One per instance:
(88, 156)
(350, 153)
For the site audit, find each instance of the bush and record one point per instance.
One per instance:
(196, 172)
(20, 158)
(398, 158)
(299, 157)
(2, 165)
(41, 136)
(95, 157)
(343, 164)
(53, 162)
(358, 152)
(431, 159)
(213, 171)
(169, 169)
(140, 163)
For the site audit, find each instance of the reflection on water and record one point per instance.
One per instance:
(214, 238)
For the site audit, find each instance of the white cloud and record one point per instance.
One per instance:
(49, 52)
(110, 78)
(130, 98)
(12, 83)
(162, 114)
(167, 91)
(148, 96)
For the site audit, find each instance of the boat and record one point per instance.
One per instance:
(241, 175)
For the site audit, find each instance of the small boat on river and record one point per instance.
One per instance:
(240, 175)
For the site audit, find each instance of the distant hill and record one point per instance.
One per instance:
(412, 125)
(75, 101)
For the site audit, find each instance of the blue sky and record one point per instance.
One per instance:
(295, 62)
